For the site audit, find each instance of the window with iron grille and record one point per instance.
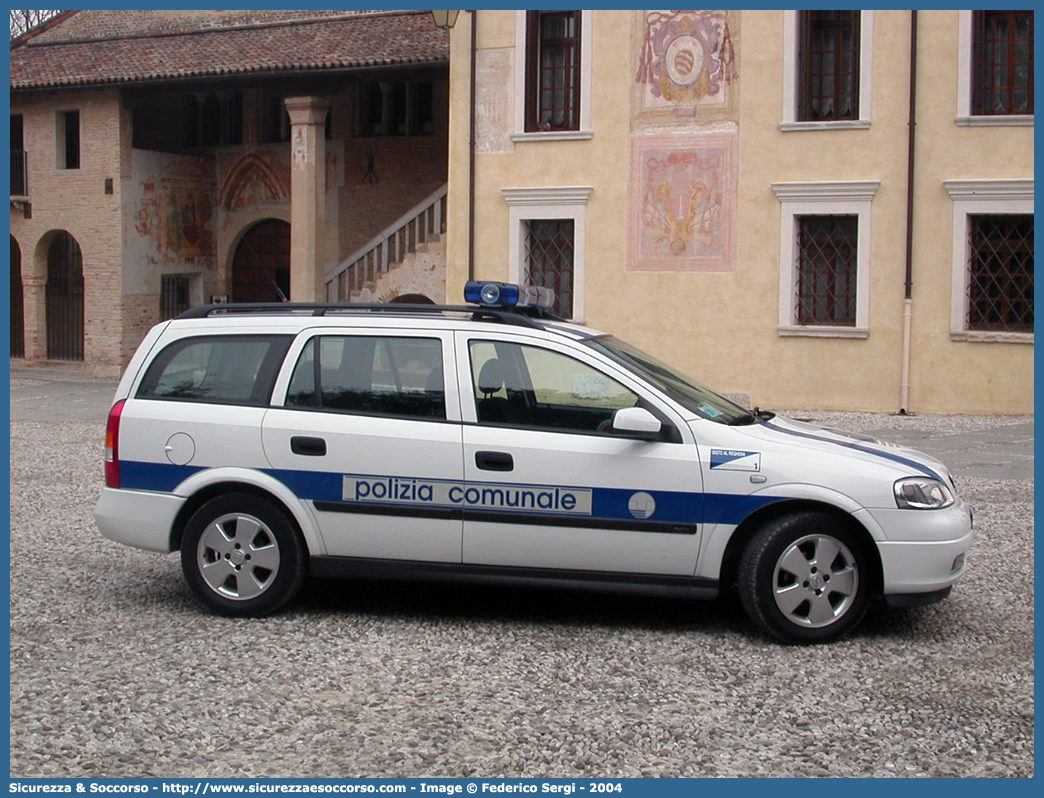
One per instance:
(828, 65)
(553, 70)
(174, 295)
(549, 260)
(1000, 273)
(826, 270)
(1002, 82)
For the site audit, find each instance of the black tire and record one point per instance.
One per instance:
(242, 555)
(806, 578)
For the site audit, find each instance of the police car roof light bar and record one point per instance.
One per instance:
(509, 295)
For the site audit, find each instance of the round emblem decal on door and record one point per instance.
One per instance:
(642, 505)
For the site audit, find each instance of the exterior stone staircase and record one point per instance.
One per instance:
(422, 271)
(407, 257)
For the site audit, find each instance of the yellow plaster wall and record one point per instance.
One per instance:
(722, 327)
(954, 376)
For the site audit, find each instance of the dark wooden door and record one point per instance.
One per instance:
(261, 265)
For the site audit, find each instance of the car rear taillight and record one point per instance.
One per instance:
(112, 446)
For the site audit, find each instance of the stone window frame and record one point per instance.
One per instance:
(586, 47)
(830, 198)
(974, 198)
(791, 41)
(551, 202)
(966, 76)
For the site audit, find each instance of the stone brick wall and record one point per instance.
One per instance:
(366, 210)
(137, 232)
(73, 200)
(140, 313)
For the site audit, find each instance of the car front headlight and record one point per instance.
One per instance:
(922, 493)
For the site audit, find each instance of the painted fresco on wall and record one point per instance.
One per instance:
(178, 220)
(173, 212)
(683, 195)
(686, 66)
(254, 178)
(494, 100)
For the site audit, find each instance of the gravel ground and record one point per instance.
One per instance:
(116, 670)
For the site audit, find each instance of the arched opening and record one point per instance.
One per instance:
(261, 264)
(17, 302)
(64, 299)
(411, 299)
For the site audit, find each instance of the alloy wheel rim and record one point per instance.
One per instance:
(238, 556)
(815, 581)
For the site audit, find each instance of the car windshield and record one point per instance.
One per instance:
(682, 389)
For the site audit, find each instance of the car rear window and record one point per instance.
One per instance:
(223, 369)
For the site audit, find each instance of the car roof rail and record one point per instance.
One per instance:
(522, 317)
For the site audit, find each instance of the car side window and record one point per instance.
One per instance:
(391, 375)
(529, 386)
(221, 369)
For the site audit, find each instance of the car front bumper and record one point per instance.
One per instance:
(925, 550)
(923, 567)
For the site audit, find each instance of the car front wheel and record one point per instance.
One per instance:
(806, 578)
(242, 555)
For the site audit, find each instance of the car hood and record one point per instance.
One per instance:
(783, 430)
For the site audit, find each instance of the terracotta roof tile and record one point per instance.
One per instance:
(100, 47)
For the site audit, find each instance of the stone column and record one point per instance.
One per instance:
(34, 303)
(307, 197)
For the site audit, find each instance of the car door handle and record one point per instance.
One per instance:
(310, 447)
(494, 461)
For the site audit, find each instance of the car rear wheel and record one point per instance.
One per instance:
(242, 555)
(806, 578)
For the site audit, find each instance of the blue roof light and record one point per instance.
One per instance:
(508, 295)
(489, 294)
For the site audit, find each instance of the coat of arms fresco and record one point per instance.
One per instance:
(683, 188)
(686, 65)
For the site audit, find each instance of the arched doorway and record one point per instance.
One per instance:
(17, 302)
(64, 299)
(261, 264)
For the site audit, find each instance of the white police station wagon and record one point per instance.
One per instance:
(493, 441)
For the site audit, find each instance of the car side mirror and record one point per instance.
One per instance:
(637, 422)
